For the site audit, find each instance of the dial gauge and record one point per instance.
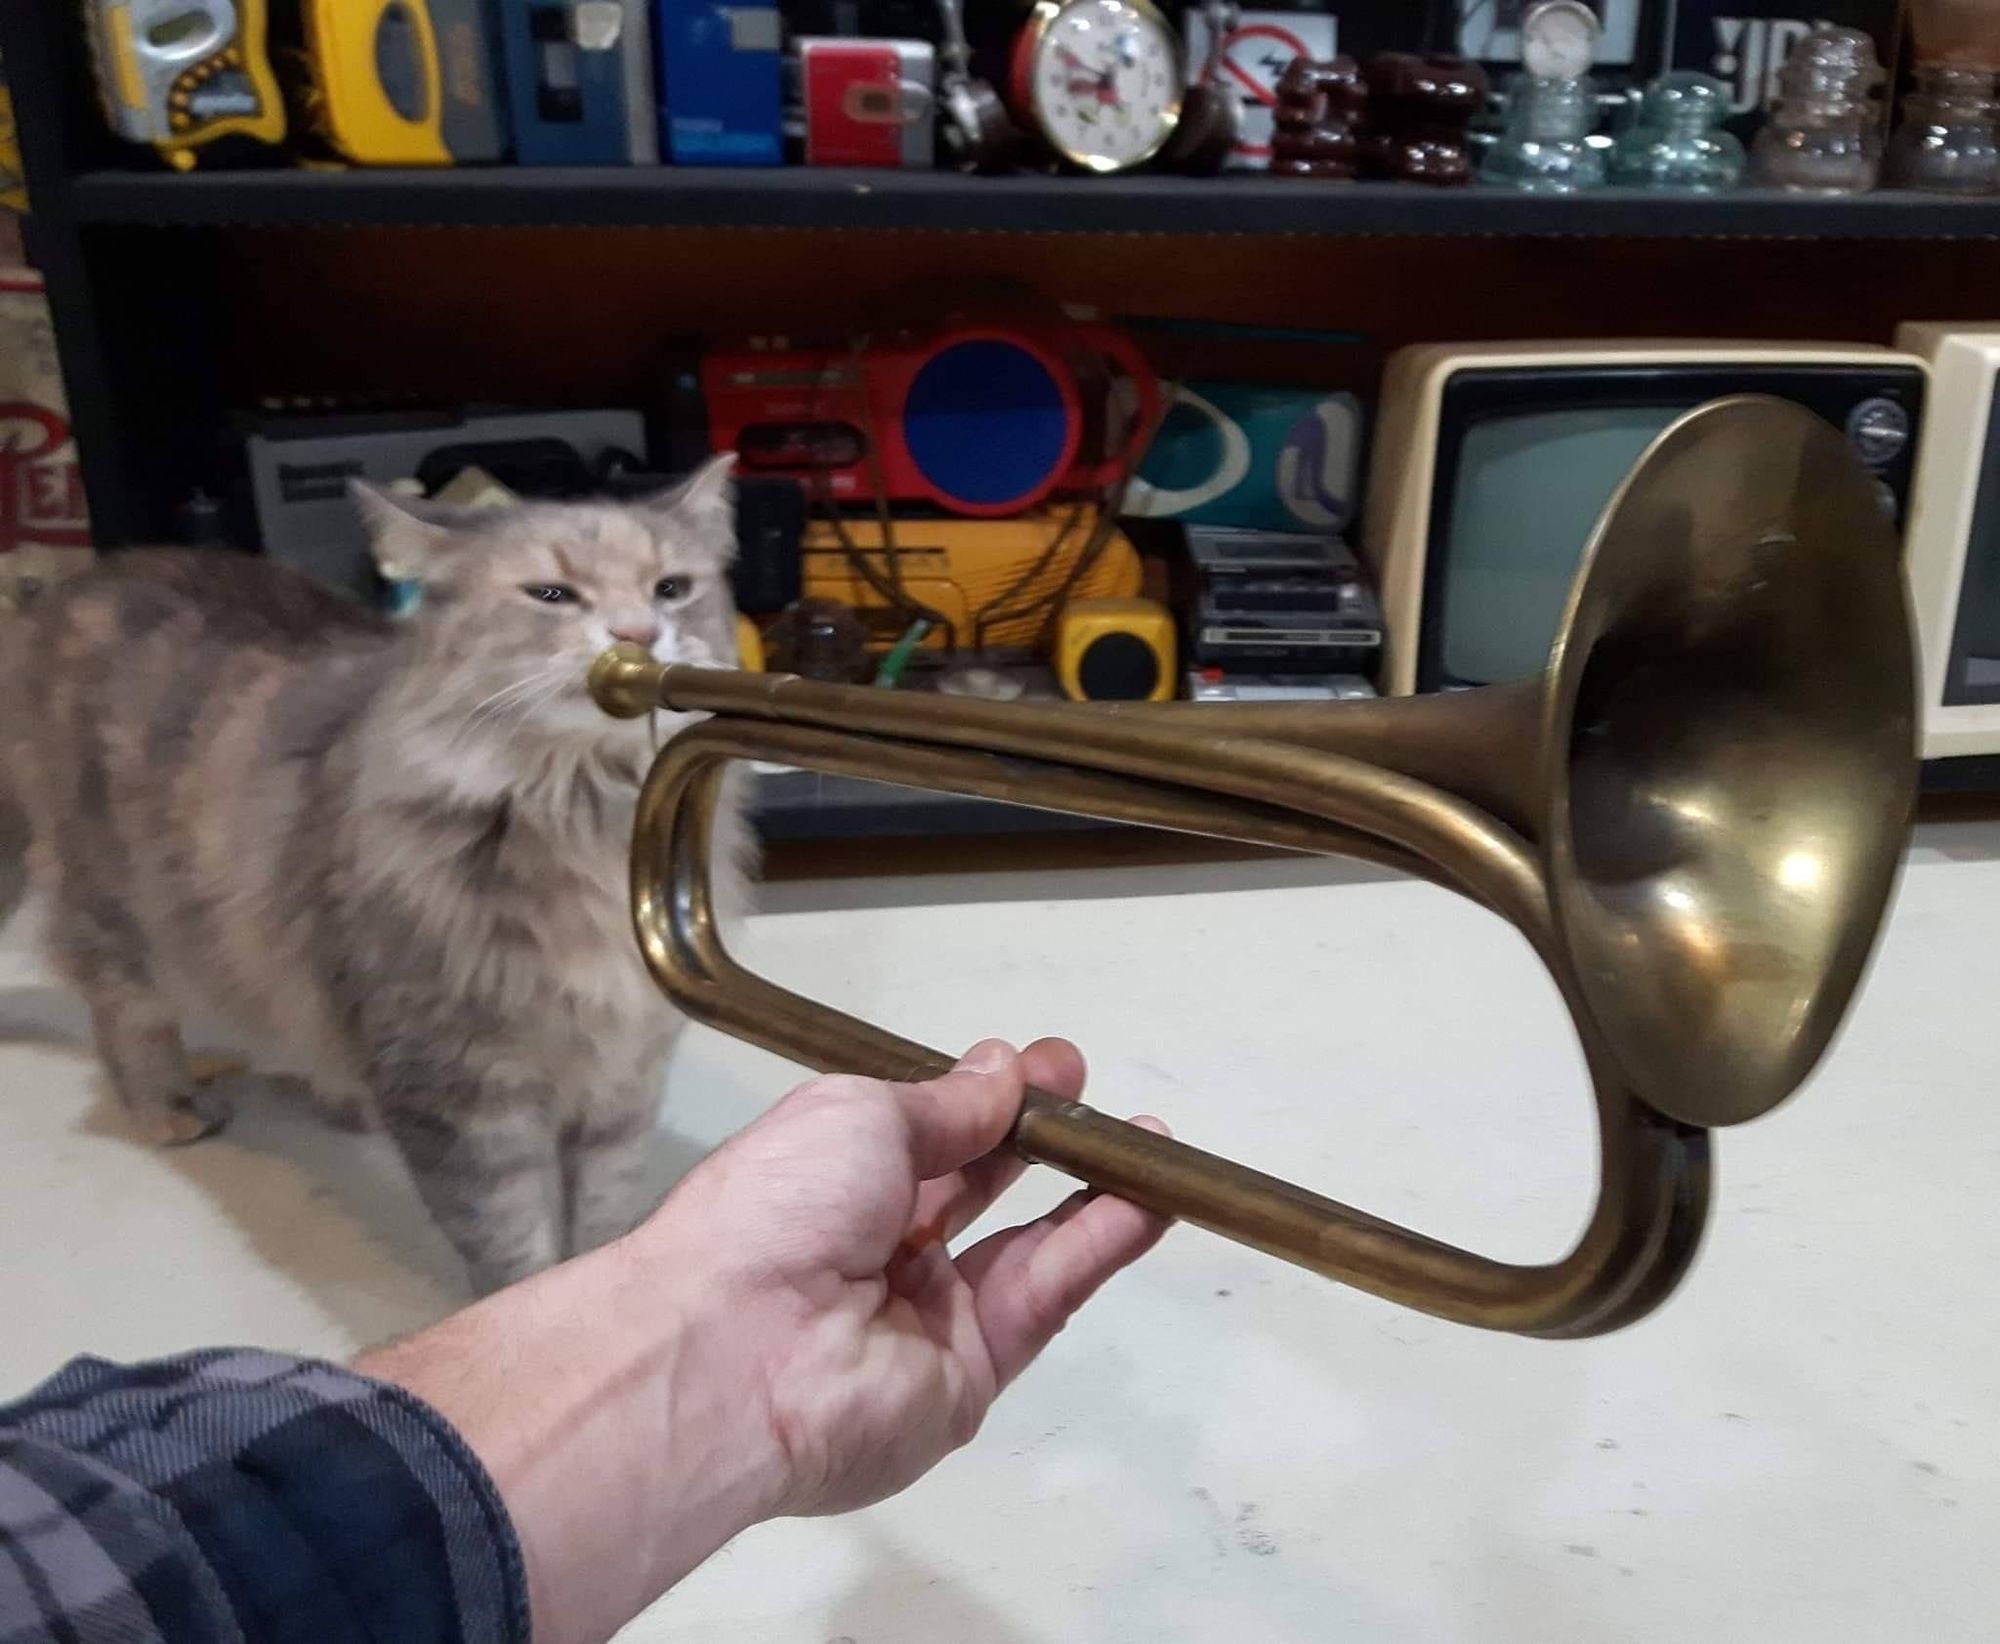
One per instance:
(1559, 39)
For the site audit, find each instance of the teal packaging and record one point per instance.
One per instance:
(1253, 455)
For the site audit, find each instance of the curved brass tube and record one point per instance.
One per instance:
(1693, 818)
(1654, 1173)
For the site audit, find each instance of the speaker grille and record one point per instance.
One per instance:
(1118, 668)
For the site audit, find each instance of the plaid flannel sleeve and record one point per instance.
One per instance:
(245, 1496)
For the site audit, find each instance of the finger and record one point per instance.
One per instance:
(950, 1204)
(1054, 1065)
(966, 1113)
(974, 1263)
(1028, 1281)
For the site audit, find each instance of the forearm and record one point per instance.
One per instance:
(202, 1497)
(601, 1399)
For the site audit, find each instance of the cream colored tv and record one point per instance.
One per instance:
(1492, 462)
(1952, 545)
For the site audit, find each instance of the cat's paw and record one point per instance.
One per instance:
(179, 1120)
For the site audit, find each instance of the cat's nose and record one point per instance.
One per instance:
(639, 630)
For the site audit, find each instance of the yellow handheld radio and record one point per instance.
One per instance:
(180, 73)
(376, 81)
(397, 82)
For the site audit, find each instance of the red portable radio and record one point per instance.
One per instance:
(868, 102)
(977, 420)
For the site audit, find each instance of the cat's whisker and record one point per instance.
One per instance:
(493, 707)
(523, 707)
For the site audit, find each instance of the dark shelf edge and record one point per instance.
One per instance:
(799, 198)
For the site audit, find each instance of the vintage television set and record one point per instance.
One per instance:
(1952, 544)
(1493, 460)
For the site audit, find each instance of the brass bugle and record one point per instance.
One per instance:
(1694, 816)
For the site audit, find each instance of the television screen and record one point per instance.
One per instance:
(1528, 490)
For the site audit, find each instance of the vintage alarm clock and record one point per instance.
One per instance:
(1099, 81)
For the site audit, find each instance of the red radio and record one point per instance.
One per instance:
(978, 420)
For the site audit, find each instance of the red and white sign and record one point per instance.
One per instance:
(1254, 54)
(41, 487)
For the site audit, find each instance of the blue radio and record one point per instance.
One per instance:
(580, 81)
(721, 68)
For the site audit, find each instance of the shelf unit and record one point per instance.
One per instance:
(138, 264)
(944, 202)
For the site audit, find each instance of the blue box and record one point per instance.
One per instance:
(722, 97)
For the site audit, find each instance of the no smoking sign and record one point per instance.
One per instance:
(1254, 54)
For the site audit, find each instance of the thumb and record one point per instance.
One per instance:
(964, 1114)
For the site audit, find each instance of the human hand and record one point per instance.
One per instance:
(872, 1351)
(787, 1334)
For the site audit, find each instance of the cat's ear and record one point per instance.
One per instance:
(705, 502)
(410, 535)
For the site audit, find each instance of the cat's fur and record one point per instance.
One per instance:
(391, 857)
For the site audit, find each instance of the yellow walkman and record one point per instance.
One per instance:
(963, 567)
(179, 74)
(397, 82)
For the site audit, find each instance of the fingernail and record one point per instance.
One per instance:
(988, 1056)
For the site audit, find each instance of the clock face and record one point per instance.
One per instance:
(1103, 80)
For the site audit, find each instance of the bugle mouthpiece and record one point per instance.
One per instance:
(625, 681)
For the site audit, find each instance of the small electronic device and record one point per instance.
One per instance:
(580, 81)
(180, 74)
(1098, 80)
(299, 468)
(868, 102)
(1253, 455)
(400, 82)
(1493, 461)
(721, 73)
(990, 579)
(1261, 602)
(1115, 650)
(980, 420)
(1952, 547)
(1219, 685)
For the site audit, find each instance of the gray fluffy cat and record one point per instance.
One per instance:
(390, 857)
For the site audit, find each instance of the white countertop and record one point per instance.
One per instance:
(1804, 1444)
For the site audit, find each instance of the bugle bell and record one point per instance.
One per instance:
(1694, 816)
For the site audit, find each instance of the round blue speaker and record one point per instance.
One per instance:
(990, 425)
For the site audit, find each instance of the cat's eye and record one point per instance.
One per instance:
(671, 588)
(550, 593)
